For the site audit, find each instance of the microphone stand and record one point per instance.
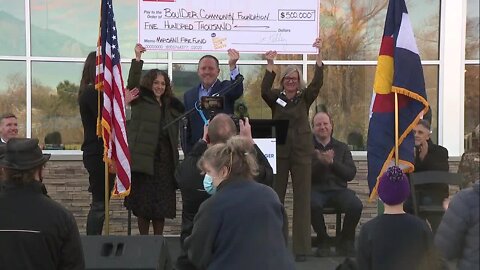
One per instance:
(238, 80)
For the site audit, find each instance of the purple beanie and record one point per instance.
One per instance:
(393, 188)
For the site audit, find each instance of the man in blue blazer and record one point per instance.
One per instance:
(208, 71)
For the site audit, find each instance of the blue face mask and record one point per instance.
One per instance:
(208, 184)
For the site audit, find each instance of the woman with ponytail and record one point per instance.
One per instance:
(243, 225)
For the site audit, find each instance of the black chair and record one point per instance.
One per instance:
(431, 177)
(331, 210)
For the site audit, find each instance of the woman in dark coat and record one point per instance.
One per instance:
(153, 150)
(243, 225)
(92, 146)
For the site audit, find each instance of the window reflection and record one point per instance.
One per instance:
(352, 30)
(12, 30)
(55, 114)
(346, 94)
(473, 30)
(472, 99)
(12, 92)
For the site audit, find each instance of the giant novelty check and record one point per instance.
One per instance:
(287, 26)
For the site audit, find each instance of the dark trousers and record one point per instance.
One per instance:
(96, 178)
(191, 201)
(344, 199)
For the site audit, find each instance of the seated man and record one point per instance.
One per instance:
(332, 168)
(191, 181)
(429, 157)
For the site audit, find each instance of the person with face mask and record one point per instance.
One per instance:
(196, 187)
(243, 225)
(153, 150)
(292, 102)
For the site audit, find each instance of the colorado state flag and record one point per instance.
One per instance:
(399, 70)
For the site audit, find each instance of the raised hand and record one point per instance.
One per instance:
(131, 95)
(245, 129)
(270, 57)
(139, 49)
(318, 44)
(205, 133)
(233, 56)
(423, 150)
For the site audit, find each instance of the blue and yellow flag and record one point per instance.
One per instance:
(399, 70)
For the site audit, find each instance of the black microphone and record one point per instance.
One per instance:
(238, 79)
(240, 110)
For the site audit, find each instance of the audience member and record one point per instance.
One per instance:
(8, 127)
(395, 240)
(332, 169)
(429, 157)
(458, 236)
(243, 225)
(35, 232)
(92, 146)
(292, 102)
(3, 148)
(208, 71)
(153, 149)
(469, 165)
(196, 188)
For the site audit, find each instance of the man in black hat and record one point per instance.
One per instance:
(35, 231)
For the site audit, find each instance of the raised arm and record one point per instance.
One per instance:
(233, 56)
(267, 94)
(135, 71)
(313, 88)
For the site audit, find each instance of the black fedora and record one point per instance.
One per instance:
(23, 154)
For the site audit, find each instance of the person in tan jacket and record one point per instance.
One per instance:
(292, 102)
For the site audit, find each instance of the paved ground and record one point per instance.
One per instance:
(312, 263)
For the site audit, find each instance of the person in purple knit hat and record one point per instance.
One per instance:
(396, 240)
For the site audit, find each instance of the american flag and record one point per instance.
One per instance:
(109, 80)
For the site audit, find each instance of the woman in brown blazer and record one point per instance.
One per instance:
(292, 102)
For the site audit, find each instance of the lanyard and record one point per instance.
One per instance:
(200, 112)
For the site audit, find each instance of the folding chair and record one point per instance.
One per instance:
(331, 210)
(431, 177)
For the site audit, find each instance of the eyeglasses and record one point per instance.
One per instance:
(290, 79)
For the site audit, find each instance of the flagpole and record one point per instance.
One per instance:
(100, 131)
(107, 202)
(396, 129)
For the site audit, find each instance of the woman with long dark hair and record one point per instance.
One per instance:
(92, 146)
(153, 149)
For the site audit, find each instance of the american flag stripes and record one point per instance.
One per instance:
(109, 80)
